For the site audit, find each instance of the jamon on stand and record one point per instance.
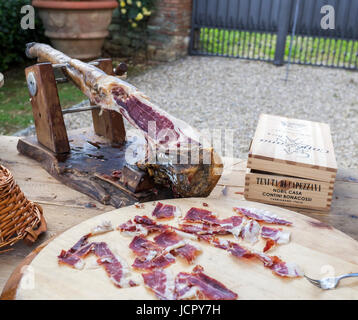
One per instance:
(176, 154)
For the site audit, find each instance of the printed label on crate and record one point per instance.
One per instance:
(288, 190)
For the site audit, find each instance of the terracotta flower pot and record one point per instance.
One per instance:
(77, 28)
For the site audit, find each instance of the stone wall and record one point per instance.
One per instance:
(124, 42)
(166, 38)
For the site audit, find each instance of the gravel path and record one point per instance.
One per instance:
(224, 93)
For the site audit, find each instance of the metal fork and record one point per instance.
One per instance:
(331, 282)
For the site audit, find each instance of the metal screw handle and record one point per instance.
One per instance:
(31, 84)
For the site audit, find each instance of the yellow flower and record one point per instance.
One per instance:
(134, 25)
(129, 2)
(146, 12)
(124, 11)
(139, 17)
(139, 4)
(123, 4)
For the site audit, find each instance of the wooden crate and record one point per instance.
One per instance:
(291, 163)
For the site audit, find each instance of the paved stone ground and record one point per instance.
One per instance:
(225, 93)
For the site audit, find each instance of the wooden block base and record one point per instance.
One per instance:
(89, 167)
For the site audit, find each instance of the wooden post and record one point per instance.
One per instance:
(110, 123)
(50, 126)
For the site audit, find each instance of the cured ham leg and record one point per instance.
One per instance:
(177, 155)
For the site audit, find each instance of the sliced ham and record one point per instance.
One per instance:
(239, 251)
(150, 224)
(269, 244)
(194, 285)
(141, 246)
(114, 266)
(200, 215)
(202, 229)
(161, 283)
(149, 255)
(217, 226)
(261, 216)
(280, 267)
(178, 246)
(132, 229)
(234, 248)
(152, 262)
(74, 256)
(277, 235)
(198, 285)
(250, 231)
(165, 211)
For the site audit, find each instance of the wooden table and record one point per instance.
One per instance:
(65, 207)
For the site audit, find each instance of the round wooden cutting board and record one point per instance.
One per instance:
(318, 249)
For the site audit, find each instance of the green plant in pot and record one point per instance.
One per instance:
(77, 28)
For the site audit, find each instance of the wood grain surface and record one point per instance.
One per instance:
(318, 249)
(65, 207)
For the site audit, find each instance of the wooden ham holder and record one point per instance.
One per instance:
(91, 161)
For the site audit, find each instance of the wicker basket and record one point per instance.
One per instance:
(19, 217)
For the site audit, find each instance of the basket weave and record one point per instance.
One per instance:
(19, 217)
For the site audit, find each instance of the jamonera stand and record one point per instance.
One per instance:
(91, 161)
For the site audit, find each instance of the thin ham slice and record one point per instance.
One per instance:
(199, 285)
(217, 226)
(74, 256)
(132, 229)
(269, 244)
(165, 211)
(150, 255)
(178, 246)
(142, 225)
(141, 246)
(280, 267)
(261, 216)
(202, 229)
(150, 224)
(161, 283)
(239, 252)
(151, 263)
(234, 248)
(200, 215)
(194, 285)
(114, 266)
(277, 235)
